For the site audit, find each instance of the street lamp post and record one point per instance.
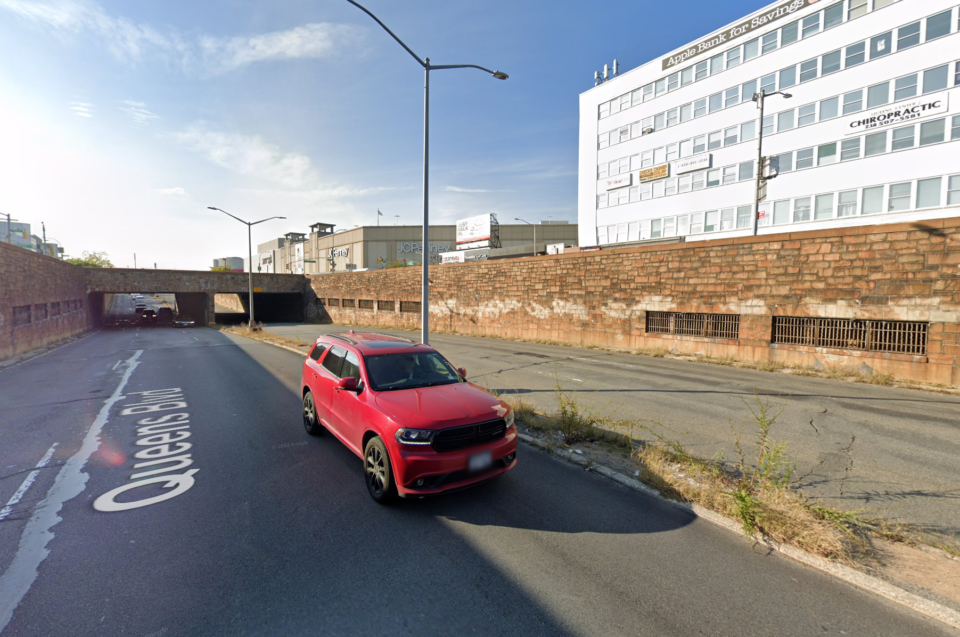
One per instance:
(249, 225)
(534, 233)
(427, 67)
(759, 99)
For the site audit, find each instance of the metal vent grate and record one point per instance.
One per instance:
(694, 324)
(388, 306)
(410, 306)
(333, 302)
(348, 303)
(900, 337)
(365, 304)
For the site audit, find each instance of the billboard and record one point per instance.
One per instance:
(475, 229)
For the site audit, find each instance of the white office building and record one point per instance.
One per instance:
(870, 135)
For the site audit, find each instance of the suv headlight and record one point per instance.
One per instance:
(509, 419)
(415, 436)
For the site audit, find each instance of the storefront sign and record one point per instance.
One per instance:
(339, 252)
(657, 172)
(743, 28)
(899, 113)
(690, 164)
(409, 246)
(620, 181)
(555, 248)
(465, 256)
(475, 228)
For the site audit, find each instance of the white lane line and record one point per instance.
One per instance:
(5, 511)
(69, 483)
(117, 364)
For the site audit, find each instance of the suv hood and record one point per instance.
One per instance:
(440, 406)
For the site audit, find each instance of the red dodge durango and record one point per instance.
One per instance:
(418, 425)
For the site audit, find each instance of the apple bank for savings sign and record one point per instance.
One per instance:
(738, 31)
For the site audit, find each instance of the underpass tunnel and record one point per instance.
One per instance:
(196, 305)
(267, 307)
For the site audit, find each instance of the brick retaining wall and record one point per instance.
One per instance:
(892, 272)
(42, 300)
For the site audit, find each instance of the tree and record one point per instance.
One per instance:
(92, 260)
(221, 268)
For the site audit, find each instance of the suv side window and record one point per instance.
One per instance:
(333, 360)
(351, 367)
(318, 351)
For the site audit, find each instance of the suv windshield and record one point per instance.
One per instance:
(387, 372)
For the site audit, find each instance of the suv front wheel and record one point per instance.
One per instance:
(310, 421)
(378, 472)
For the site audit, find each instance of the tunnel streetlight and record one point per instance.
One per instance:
(249, 225)
(759, 99)
(427, 67)
(534, 233)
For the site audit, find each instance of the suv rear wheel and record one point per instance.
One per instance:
(378, 472)
(310, 421)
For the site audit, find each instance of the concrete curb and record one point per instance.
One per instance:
(851, 576)
(286, 347)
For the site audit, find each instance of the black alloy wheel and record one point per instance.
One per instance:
(310, 421)
(378, 472)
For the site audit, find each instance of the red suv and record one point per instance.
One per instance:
(419, 426)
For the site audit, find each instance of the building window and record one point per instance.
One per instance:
(881, 45)
(673, 82)
(696, 223)
(751, 49)
(656, 228)
(932, 132)
(673, 152)
(953, 191)
(659, 156)
(784, 162)
(732, 97)
(856, 54)
(768, 84)
(956, 127)
(602, 171)
(669, 187)
(878, 95)
(669, 227)
(727, 218)
(908, 36)
(658, 122)
(716, 64)
(685, 183)
(713, 177)
(710, 221)
(788, 77)
(906, 87)
(902, 138)
(938, 25)
(824, 208)
(748, 131)
(700, 108)
(768, 125)
(850, 149)
(857, 9)
(833, 15)
(785, 121)
(747, 90)
(936, 79)
(801, 209)
(879, 4)
(658, 189)
(699, 180)
(730, 136)
(601, 240)
(602, 201)
(899, 197)
(781, 212)
(827, 154)
(744, 217)
(875, 144)
(660, 87)
(928, 193)
(701, 71)
(699, 144)
(790, 33)
(852, 102)
(769, 42)
(807, 115)
(733, 58)
(729, 175)
(686, 148)
(686, 112)
(804, 158)
(716, 102)
(745, 170)
(683, 225)
(829, 108)
(847, 204)
(673, 116)
(715, 140)
(872, 200)
(810, 25)
(808, 70)
(831, 63)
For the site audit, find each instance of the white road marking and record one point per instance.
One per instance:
(117, 365)
(577, 379)
(27, 483)
(69, 483)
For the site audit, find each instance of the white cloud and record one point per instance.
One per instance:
(458, 189)
(137, 113)
(171, 191)
(82, 109)
(130, 41)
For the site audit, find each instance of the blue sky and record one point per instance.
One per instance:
(120, 121)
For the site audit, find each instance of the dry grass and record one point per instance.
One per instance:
(257, 333)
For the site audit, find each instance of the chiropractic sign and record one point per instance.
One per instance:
(737, 31)
(899, 113)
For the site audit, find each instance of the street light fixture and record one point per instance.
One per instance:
(249, 225)
(427, 67)
(534, 233)
(759, 99)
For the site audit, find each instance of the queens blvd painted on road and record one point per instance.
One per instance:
(162, 435)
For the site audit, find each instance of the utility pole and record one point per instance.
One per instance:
(761, 182)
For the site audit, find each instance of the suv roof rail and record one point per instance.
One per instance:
(343, 338)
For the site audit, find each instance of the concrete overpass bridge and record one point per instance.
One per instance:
(276, 297)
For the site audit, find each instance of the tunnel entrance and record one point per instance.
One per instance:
(154, 309)
(232, 309)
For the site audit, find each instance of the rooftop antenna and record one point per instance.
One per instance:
(606, 72)
(597, 80)
(616, 67)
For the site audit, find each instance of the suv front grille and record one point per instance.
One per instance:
(470, 436)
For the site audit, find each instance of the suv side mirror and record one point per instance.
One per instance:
(349, 383)
(462, 371)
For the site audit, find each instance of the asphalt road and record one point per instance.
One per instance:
(276, 535)
(889, 452)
